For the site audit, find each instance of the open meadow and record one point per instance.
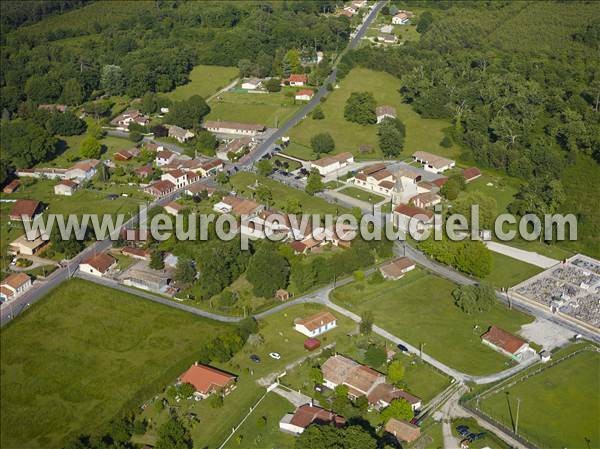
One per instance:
(421, 134)
(83, 355)
(419, 309)
(559, 406)
(205, 80)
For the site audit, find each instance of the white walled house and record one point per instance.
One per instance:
(98, 265)
(304, 95)
(330, 164)
(251, 83)
(180, 178)
(164, 157)
(66, 187)
(237, 128)
(14, 285)
(317, 324)
(432, 162)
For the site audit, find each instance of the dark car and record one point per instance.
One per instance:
(402, 348)
(473, 437)
(112, 196)
(463, 430)
(255, 358)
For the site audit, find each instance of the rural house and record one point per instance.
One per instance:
(397, 268)
(432, 162)
(223, 127)
(316, 324)
(304, 95)
(330, 164)
(207, 380)
(179, 134)
(160, 188)
(65, 187)
(403, 431)
(98, 265)
(14, 285)
(506, 343)
(297, 79)
(24, 210)
(308, 414)
(384, 112)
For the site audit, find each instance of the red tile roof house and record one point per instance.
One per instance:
(65, 187)
(402, 430)
(144, 171)
(136, 253)
(297, 79)
(404, 215)
(207, 380)
(164, 157)
(14, 285)
(211, 167)
(98, 265)
(180, 178)
(506, 343)
(24, 210)
(383, 394)
(308, 414)
(397, 268)
(173, 208)
(159, 189)
(304, 95)
(432, 162)
(316, 324)
(361, 380)
(132, 116)
(12, 186)
(471, 174)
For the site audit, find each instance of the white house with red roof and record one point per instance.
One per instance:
(14, 285)
(164, 157)
(65, 187)
(305, 95)
(506, 343)
(160, 188)
(316, 324)
(98, 265)
(180, 178)
(298, 80)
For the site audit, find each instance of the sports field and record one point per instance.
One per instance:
(419, 309)
(84, 354)
(559, 406)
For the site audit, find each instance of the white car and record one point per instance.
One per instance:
(275, 355)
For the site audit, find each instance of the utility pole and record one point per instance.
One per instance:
(517, 419)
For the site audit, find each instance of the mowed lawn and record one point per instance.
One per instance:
(508, 272)
(421, 134)
(270, 109)
(72, 147)
(205, 80)
(419, 309)
(363, 195)
(84, 353)
(559, 406)
(243, 183)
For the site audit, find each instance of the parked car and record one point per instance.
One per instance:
(402, 348)
(255, 358)
(476, 436)
(275, 355)
(463, 430)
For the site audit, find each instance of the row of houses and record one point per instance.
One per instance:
(81, 171)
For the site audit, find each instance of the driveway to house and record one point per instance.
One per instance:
(225, 89)
(295, 397)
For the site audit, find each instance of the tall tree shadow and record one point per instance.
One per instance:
(512, 420)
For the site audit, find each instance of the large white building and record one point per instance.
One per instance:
(432, 162)
(330, 164)
(14, 285)
(237, 128)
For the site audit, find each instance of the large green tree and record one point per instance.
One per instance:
(268, 271)
(360, 108)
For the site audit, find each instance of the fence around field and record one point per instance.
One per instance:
(473, 407)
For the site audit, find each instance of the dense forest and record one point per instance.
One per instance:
(520, 83)
(134, 47)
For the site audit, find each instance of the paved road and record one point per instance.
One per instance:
(526, 256)
(267, 145)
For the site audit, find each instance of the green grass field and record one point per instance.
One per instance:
(559, 406)
(419, 308)
(71, 150)
(243, 181)
(76, 359)
(271, 109)
(362, 195)
(205, 80)
(421, 134)
(508, 272)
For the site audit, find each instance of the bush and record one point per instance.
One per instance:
(446, 142)
(322, 143)
(318, 113)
